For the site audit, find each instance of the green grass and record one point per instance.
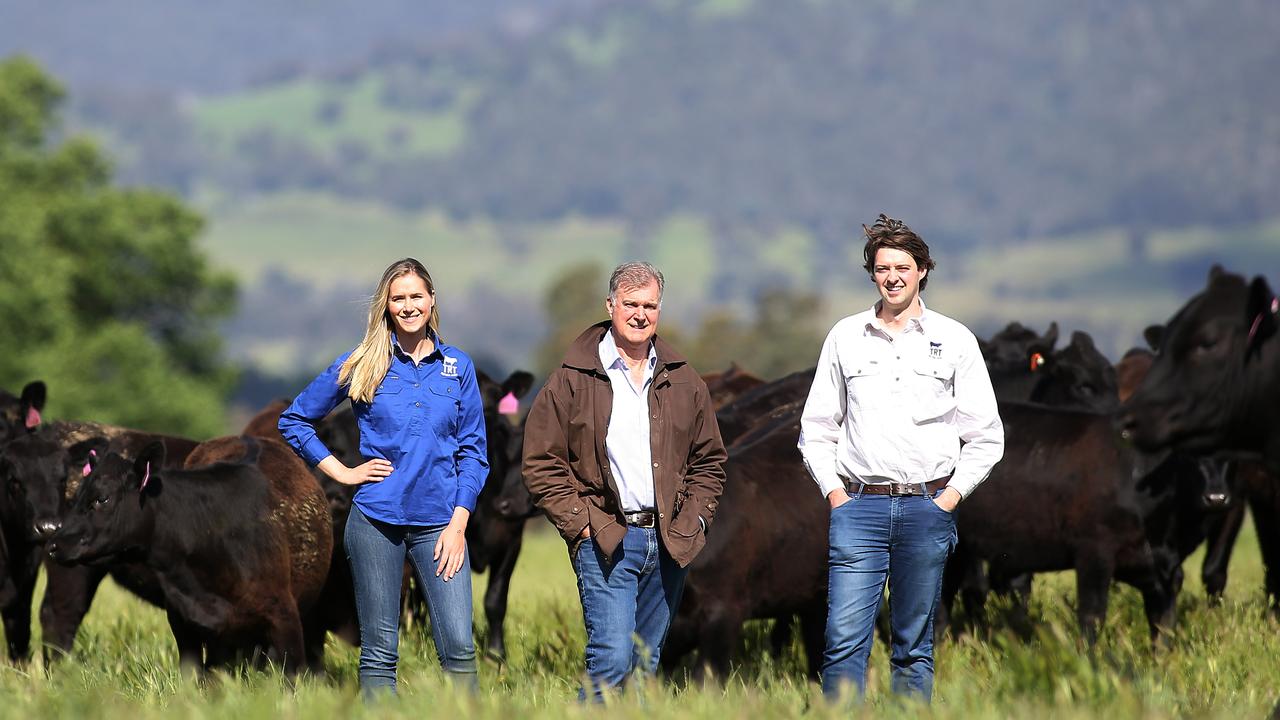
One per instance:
(293, 111)
(1219, 663)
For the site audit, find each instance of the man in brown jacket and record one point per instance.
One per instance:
(623, 454)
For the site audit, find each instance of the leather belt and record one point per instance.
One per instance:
(641, 518)
(896, 489)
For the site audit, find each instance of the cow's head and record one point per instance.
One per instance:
(1016, 356)
(21, 415)
(36, 470)
(504, 489)
(111, 516)
(1209, 370)
(1078, 376)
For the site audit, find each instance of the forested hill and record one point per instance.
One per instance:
(983, 119)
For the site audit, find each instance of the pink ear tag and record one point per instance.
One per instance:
(146, 475)
(509, 405)
(33, 418)
(88, 468)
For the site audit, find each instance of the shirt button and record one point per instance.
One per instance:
(655, 464)
(655, 417)
(660, 516)
(415, 384)
(417, 404)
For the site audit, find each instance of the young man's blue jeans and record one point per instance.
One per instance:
(627, 605)
(873, 537)
(377, 552)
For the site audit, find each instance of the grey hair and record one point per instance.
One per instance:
(634, 274)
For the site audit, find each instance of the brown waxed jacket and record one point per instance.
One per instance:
(566, 467)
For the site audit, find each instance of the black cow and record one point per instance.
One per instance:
(240, 544)
(1014, 357)
(38, 476)
(766, 557)
(1215, 383)
(1065, 498)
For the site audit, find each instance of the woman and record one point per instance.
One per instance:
(422, 431)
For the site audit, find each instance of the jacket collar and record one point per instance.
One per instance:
(584, 352)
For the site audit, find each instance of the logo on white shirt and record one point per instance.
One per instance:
(450, 368)
(935, 350)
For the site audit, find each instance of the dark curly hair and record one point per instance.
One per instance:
(895, 235)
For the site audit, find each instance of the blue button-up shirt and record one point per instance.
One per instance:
(627, 441)
(426, 419)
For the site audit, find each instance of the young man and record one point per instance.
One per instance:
(623, 454)
(900, 426)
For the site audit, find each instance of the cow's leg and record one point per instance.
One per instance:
(720, 636)
(17, 614)
(313, 637)
(190, 648)
(1159, 599)
(1263, 504)
(68, 594)
(682, 637)
(813, 630)
(495, 596)
(1094, 570)
(1222, 531)
(288, 644)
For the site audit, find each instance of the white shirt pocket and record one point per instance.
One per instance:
(934, 391)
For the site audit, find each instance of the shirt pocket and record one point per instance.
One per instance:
(865, 386)
(445, 407)
(385, 412)
(934, 390)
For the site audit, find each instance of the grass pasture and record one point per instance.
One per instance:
(1220, 663)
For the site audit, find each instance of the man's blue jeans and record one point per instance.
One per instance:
(873, 537)
(377, 552)
(627, 605)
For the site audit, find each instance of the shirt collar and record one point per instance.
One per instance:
(915, 323)
(609, 355)
(397, 350)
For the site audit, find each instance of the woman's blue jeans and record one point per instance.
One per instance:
(905, 539)
(377, 553)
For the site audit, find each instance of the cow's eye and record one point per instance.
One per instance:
(1205, 344)
(99, 502)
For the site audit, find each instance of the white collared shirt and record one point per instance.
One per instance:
(627, 441)
(886, 407)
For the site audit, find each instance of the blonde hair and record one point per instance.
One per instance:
(367, 365)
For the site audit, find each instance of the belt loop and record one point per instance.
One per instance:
(861, 486)
(924, 488)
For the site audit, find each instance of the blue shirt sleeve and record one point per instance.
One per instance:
(472, 456)
(313, 404)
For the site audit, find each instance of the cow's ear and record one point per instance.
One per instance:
(1215, 272)
(1082, 340)
(86, 454)
(1262, 313)
(518, 384)
(33, 397)
(147, 468)
(1051, 337)
(1154, 335)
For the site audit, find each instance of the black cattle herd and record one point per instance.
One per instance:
(1116, 472)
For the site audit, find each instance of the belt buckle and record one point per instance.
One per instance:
(897, 489)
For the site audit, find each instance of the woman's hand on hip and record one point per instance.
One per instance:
(451, 547)
(373, 471)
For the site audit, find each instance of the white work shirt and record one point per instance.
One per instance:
(895, 408)
(627, 441)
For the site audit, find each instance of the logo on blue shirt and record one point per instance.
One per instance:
(450, 368)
